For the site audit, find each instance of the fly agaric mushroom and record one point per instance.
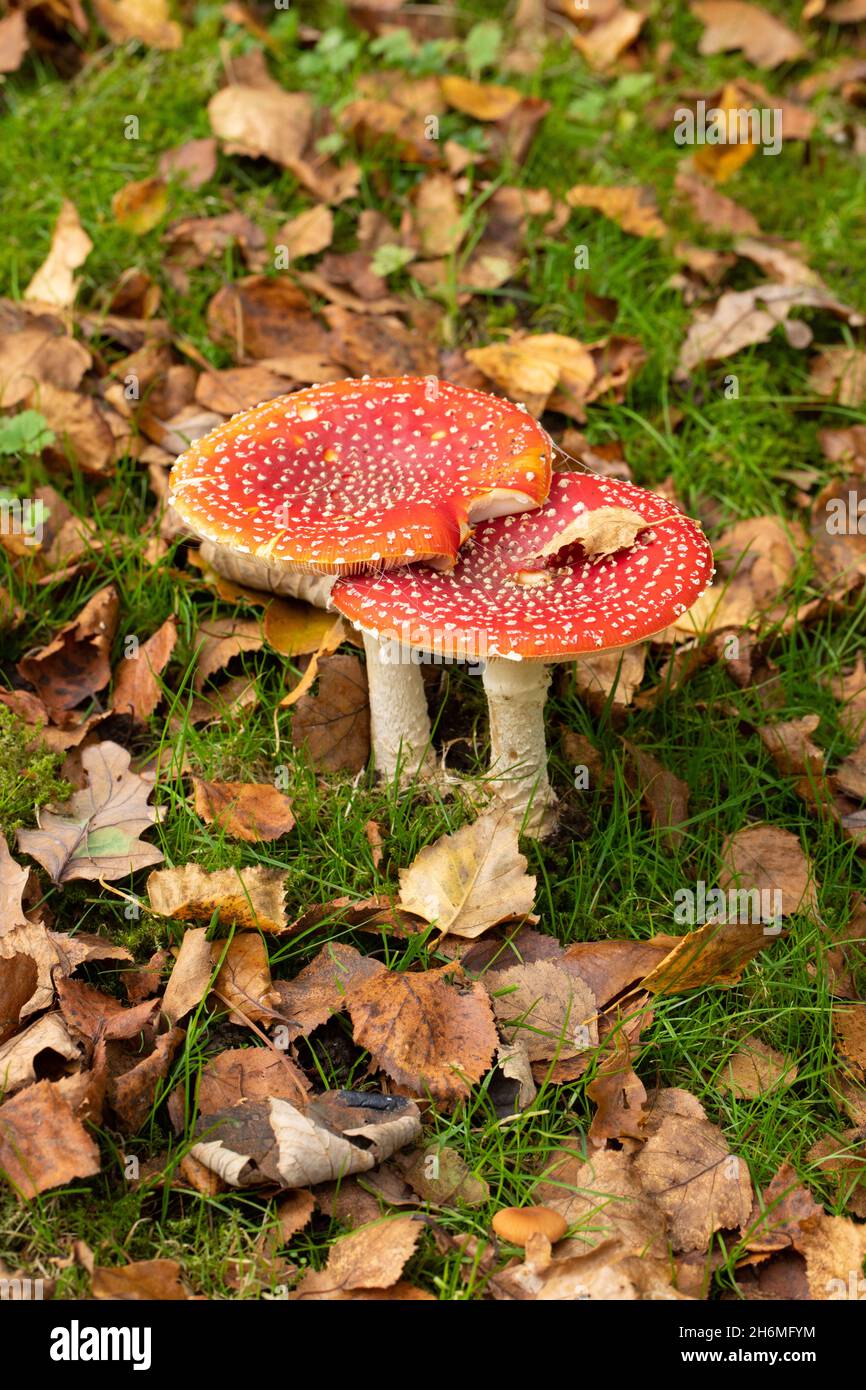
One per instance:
(355, 475)
(601, 565)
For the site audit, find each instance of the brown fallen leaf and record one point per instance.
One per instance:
(92, 1015)
(47, 1041)
(262, 122)
(294, 628)
(194, 162)
(18, 981)
(333, 725)
(770, 860)
(371, 1257)
(249, 811)
(713, 954)
(607, 41)
(840, 372)
(13, 881)
(238, 388)
(469, 881)
(308, 233)
(329, 1137)
(140, 1279)
(264, 316)
(439, 1174)
(147, 20)
(42, 1143)
(190, 977)
(789, 743)
(713, 209)
(602, 1198)
(137, 688)
(75, 664)
(754, 1069)
(430, 1031)
(14, 42)
(437, 216)
(849, 1027)
(240, 1073)
(633, 209)
(55, 282)
(481, 100)
(140, 206)
(250, 897)
(611, 676)
(83, 435)
(99, 838)
(244, 979)
(570, 1272)
(552, 1012)
(397, 350)
(665, 796)
(759, 35)
(322, 987)
(686, 1166)
(843, 1157)
(741, 318)
(221, 639)
(34, 349)
(721, 161)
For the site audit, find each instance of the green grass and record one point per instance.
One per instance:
(606, 873)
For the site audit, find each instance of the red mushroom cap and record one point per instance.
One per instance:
(381, 471)
(505, 598)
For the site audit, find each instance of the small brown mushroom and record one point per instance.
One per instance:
(517, 1224)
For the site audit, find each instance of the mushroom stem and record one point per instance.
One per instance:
(399, 723)
(258, 574)
(516, 693)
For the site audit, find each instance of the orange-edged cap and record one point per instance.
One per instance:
(375, 472)
(524, 588)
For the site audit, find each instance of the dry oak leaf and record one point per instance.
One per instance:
(371, 1257)
(333, 725)
(141, 1279)
(755, 1068)
(430, 1031)
(759, 35)
(553, 1013)
(147, 20)
(687, 1168)
(42, 1143)
(98, 836)
(75, 664)
(262, 122)
(244, 979)
(54, 282)
(322, 987)
(766, 858)
(249, 811)
(715, 953)
(468, 881)
(633, 209)
(330, 1137)
(481, 100)
(250, 897)
(137, 689)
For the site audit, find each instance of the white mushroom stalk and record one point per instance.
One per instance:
(400, 731)
(516, 695)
